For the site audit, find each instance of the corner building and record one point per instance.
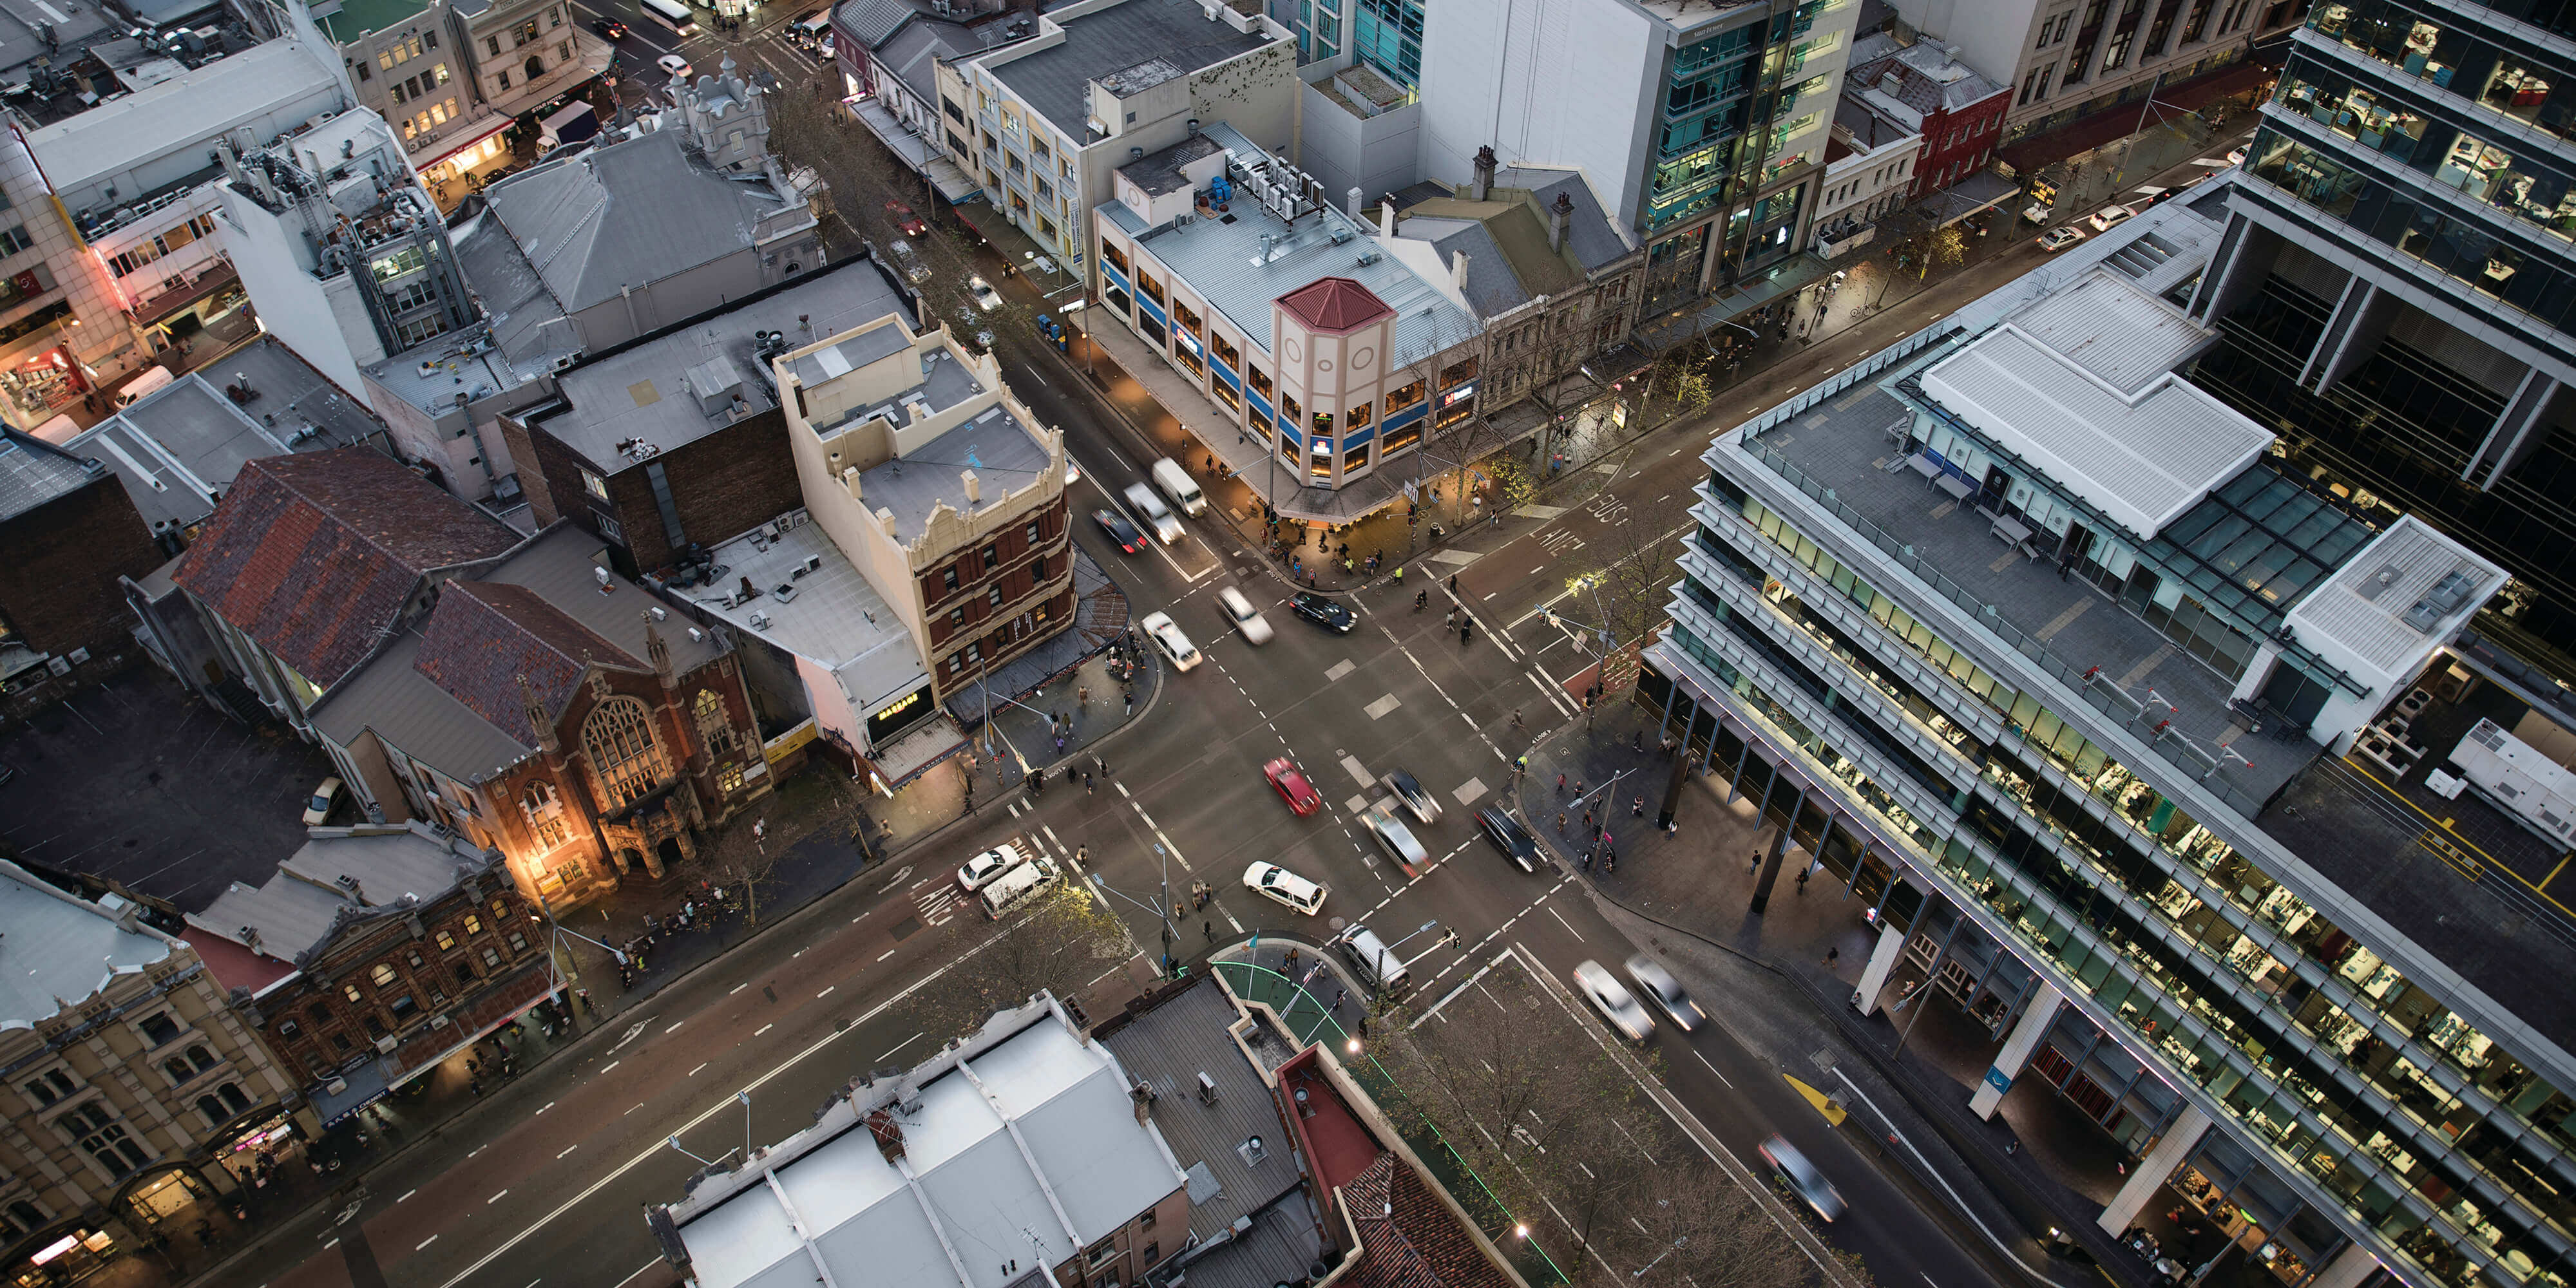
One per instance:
(2159, 764)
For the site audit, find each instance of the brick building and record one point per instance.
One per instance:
(312, 560)
(71, 532)
(375, 953)
(675, 439)
(129, 1092)
(1925, 89)
(551, 711)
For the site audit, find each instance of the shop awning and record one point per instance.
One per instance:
(499, 126)
(917, 152)
(359, 1088)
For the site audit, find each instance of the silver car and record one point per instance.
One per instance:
(1665, 992)
(1397, 840)
(1424, 806)
(1243, 616)
(1614, 1001)
(1803, 1178)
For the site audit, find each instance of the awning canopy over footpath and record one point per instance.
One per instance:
(954, 185)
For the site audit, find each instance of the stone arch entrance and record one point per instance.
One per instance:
(669, 852)
(628, 859)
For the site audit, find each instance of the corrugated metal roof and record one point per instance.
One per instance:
(2141, 459)
(627, 214)
(2114, 330)
(2358, 612)
(1119, 40)
(59, 947)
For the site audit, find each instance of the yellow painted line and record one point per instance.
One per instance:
(2553, 873)
(2461, 843)
(1832, 1110)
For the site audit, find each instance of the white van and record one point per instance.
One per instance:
(1377, 964)
(1156, 515)
(1178, 485)
(1017, 886)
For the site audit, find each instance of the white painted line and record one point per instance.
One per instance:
(1378, 710)
(549, 1105)
(612, 1064)
(1352, 766)
(743, 985)
(901, 1045)
(1173, 850)
(762, 1029)
(406, 1195)
(1569, 926)
(702, 1068)
(890, 952)
(827, 990)
(1470, 791)
(1122, 788)
(675, 1027)
(632, 1108)
(425, 1243)
(1337, 670)
(496, 1198)
(1712, 1069)
(568, 1149)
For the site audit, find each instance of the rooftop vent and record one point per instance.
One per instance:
(2448, 596)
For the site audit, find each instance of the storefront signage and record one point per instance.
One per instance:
(896, 714)
(788, 743)
(1452, 397)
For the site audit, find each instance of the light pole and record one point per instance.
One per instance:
(1161, 909)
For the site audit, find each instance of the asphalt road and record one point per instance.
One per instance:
(760, 47)
(545, 1182)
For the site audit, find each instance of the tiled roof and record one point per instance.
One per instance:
(485, 636)
(1334, 304)
(314, 554)
(1421, 1245)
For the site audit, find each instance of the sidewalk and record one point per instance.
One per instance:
(2039, 1164)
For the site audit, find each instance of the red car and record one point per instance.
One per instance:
(1292, 786)
(904, 219)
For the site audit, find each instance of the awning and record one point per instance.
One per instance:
(917, 152)
(1978, 192)
(359, 1088)
(499, 127)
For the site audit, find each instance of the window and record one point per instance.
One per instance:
(383, 975)
(714, 729)
(544, 812)
(956, 618)
(51, 1088)
(15, 240)
(992, 557)
(503, 79)
(351, 992)
(618, 738)
(288, 1028)
(948, 578)
(492, 46)
(993, 597)
(1150, 288)
(518, 941)
(158, 1030)
(491, 958)
(1153, 1251)
(105, 1140)
(473, 924)
(1033, 532)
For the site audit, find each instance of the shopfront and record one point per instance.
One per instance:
(466, 167)
(64, 1255)
(39, 377)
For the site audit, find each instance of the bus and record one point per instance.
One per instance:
(671, 15)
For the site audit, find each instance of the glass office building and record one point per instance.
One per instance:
(2164, 764)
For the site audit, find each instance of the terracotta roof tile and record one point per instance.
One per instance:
(1422, 1245)
(1335, 305)
(485, 635)
(315, 554)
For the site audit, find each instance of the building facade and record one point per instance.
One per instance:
(132, 1093)
(1042, 119)
(2066, 60)
(2133, 817)
(357, 988)
(72, 532)
(453, 76)
(2395, 299)
(1924, 87)
(1704, 125)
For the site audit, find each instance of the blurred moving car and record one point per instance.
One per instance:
(904, 219)
(1168, 639)
(1803, 1178)
(1508, 836)
(1424, 807)
(1129, 540)
(1614, 1001)
(1665, 992)
(1292, 786)
(1244, 617)
(2059, 238)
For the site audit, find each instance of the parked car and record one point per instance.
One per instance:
(676, 66)
(1802, 1176)
(2104, 219)
(609, 27)
(1284, 887)
(1422, 805)
(1665, 992)
(904, 219)
(986, 298)
(1240, 613)
(1292, 786)
(1508, 836)
(317, 811)
(2060, 237)
(2236, 156)
(1323, 611)
(1397, 840)
(1168, 639)
(1129, 540)
(1614, 1001)
(980, 871)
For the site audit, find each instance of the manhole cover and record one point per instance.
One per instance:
(1336, 923)
(904, 929)
(1822, 1059)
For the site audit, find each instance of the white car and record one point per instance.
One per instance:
(1285, 888)
(1240, 613)
(986, 298)
(1167, 637)
(1614, 1001)
(1659, 985)
(985, 868)
(2103, 219)
(317, 811)
(677, 66)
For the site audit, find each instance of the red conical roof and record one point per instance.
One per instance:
(1334, 305)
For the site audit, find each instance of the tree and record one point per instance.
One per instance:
(739, 858)
(1624, 594)
(1060, 943)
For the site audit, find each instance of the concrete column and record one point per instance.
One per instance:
(1882, 959)
(2350, 1269)
(2025, 1038)
(2170, 1151)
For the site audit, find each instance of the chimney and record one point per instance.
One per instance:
(1458, 270)
(1484, 171)
(1560, 217)
(748, 593)
(974, 487)
(1355, 199)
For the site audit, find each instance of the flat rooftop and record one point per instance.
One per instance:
(830, 616)
(1224, 263)
(1170, 1045)
(677, 385)
(1005, 454)
(179, 113)
(1133, 46)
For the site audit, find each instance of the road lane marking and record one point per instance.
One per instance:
(827, 990)
(632, 1108)
(901, 1045)
(1569, 926)
(1334, 673)
(568, 1149)
(880, 957)
(743, 985)
(674, 1028)
(425, 1243)
(406, 1195)
(549, 1105)
(1711, 1068)
(612, 1064)
(496, 1198)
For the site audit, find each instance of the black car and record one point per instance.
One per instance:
(1509, 837)
(1119, 530)
(609, 27)
(1322, 611)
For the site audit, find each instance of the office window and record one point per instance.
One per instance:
(15, 240)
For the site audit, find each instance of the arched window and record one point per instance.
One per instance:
(619, 740)
(545, 813)
(212, 1110)
(234, 1100)
(536, 68)
(715, 732)
(201, 1058)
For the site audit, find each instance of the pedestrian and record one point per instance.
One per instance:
(1101, 766)
(1180, 914)
(1130, 696)
(1449, 619)
(1639, 742)
(1292, 962)
(1466, 631)
(1578, 787)
(1757, 863)
(1087, 788)
(1084, 696)
(1832, 957)
(1399, 575)
(1516, 718)
(1208, 928)
(1637, 808)
(1560, 784)
(1453, 583)
(1560, 822)
(2012, 1145)
(1802, 879)
(1586, 862)
(1587, 818)
(1339, 995)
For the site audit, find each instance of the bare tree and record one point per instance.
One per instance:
(1060, 943)
(741, 858)
(1622, 599)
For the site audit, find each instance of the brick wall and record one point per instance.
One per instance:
(1011, 567)
(58, 586)
(315, 1026)
(723, 485)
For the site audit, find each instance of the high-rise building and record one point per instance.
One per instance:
(2174, 778)
(1704, 125)
(2395, 285)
